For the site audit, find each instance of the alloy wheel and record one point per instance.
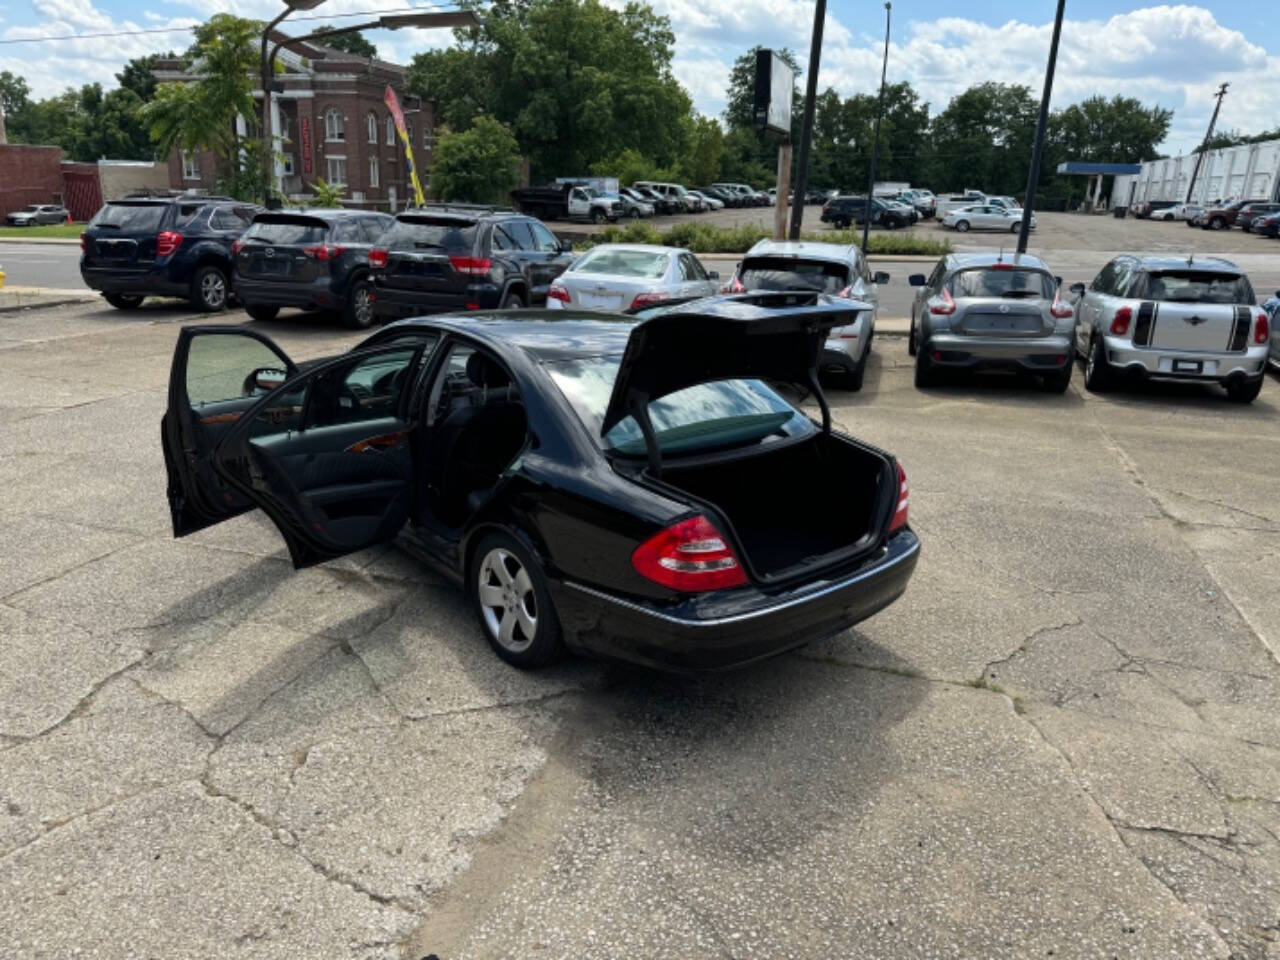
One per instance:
(362, 306)
(213, 290)
(507, 600)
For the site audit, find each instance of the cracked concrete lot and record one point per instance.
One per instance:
(1064, 741)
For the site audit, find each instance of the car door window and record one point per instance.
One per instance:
(374, 227)
(1104, 281)
(347, 231)
(519, 234)
(227, 219)
(367, 389)
(690, 268)
(503, 240)
(1120, 280)
(226, 374)
(543, 239)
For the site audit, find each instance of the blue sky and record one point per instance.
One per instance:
(1174, 55)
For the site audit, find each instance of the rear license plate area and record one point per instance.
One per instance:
(1000, 323)
(1188, 366)
(593, 301)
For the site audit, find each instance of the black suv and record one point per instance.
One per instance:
(469, 258)
(313, 260)
(163, 247)
(843, 211)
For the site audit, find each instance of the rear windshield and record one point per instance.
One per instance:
(132, 217)
(1190, 286)
(291, 232)
(426, 233)
(1012, 284)
(624, 263)
(786, 273)
(708, 416)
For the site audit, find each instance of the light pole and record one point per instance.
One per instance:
(1033, 175)
(875, 140)
(268, 161)
(462, 18)
(806, 132)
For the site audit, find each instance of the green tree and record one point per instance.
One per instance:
(476, 165)
(138, 74)
(1119, 130)
(983, 139)
(15, 94)
(706, 151)
(352, 43)
(326, 194)
(628, 166)
(759, 165)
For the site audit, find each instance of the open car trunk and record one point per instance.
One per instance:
(804, 505)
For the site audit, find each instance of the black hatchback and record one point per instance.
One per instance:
(460, 258)
(314, 260)
(164, 247)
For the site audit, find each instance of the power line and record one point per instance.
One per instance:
(183, 29)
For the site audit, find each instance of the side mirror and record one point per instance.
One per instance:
(916, 280)
(1077, 289)
(566, 246)
(1057, 280)
(879, 277)
(713, 275)
(264, 380)
(1278, 293)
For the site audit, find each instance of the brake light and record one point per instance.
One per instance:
(82, 242)
(1262, 329)
(690, 556)
(647, 299)
(899, 519)
(325, 252)
(237, 247)
(167, 242)
(558, 291)
(377, 257)
(942, 305)
(1061, 310)
(1120, 322)
(471, 266)
(733, 286)
(1002, 266)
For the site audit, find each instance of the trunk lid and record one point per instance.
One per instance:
(605, 292)
(275, 248)
(421, 250)
(1003, 318)
(1195, 310)
(123, 234)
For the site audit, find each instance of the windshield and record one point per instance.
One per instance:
(288, 233)
(140, 217)
(786, 273)
(624, 263)
(1190, 286)
(428, 233)
(708, 416)
(1012, 284)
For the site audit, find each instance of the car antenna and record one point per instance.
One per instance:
(1000, 258)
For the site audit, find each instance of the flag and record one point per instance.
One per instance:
(397, 115)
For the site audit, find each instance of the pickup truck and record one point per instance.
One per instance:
(567, 202)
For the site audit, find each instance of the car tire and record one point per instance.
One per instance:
(1060, 381)
(1015, 227)
(358, 312)
(1099, 375)
(911, 340)
(1244, 391)
(123, 301)
(925, 375)
(597, 216)
(262, 314)
(209, 289)
(513, 301)
(853, 378)
(962, 226)
(1217, 223)
(634, 213)
(509, 592)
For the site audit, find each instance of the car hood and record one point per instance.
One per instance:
(770, 336)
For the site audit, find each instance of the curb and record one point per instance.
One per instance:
(40, 304)
(52, 241)
(40, 297)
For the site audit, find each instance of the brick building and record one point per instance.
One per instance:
(332, 124)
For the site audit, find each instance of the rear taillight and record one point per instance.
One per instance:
(647, 300)
(558, 291)
(167, 242)
(471, 266)
(83, 242)
(237, 247)
(942, 305)
(1061, 310)
(1262, 329)
(325, 252)
(1120, 322)
(690, 556)
(377, 257)
(904, 501)
(733, 286)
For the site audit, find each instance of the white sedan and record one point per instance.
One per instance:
(623, 276)
(981, 216)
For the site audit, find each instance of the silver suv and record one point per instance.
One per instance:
(1175, 318)
(991, 310)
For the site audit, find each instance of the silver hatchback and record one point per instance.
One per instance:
(991, 311)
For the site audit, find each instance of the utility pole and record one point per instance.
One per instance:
(806, 133)
(1208, 135)
(875, 140)
(1033, 175)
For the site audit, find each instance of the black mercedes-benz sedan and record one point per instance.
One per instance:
(637, 490)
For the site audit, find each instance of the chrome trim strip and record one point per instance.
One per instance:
(754, 614)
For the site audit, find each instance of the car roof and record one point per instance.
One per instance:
(988, 258)
(1191, 261)
(317, 213)
(834, 252)
(639, 247)
(543, 334)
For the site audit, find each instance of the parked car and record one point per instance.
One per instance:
(1251, 212)
(662, 205)
(676, 193)
(464, 258)
(1272, 309)
(1178, 318)
(841, 212)
(567, 201)
(633, 204)
(163, 247)
(1008, 203)
(991, 310)
(708, 201)
(954, 201)
(1223, 216)
(921, 201)
(626, 276)
(1268, 225)
(310, 259)
(750, 196)
(507, 455)
(1145, 209)
(830, 269)
(728, 197)
(985, 217)
(34, 214)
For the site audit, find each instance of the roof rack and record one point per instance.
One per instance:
(465, 207)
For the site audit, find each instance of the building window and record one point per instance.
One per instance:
(391, 131)
(190, 165)
(333, 125)
(373, 171)
(428, 134)
(337, 170)
(373, 127)
(288, 165)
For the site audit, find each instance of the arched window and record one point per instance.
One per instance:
(373, 127)
(333, 125)
(391, 131)
(373, 171)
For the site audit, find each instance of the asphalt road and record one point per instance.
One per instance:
(1063, 741)
(51, 265)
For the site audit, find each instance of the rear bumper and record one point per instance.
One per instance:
(732, 628)
(1154, 363)
(146, 282)
(392, 303)
(1035, 354)
(277, 293)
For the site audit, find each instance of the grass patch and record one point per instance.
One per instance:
(61, 230)
(704, 238)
